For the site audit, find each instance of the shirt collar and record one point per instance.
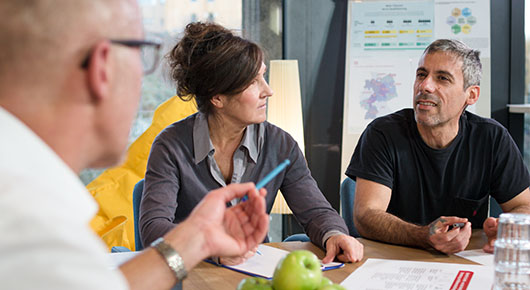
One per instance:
(251, 141)
(202, 144)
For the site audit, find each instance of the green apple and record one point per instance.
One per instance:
(332, 287)
(254, 283)
(325, 281)
(299, 270)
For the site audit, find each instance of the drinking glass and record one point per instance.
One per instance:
(512, 252)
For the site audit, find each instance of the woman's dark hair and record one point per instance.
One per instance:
(211, 60)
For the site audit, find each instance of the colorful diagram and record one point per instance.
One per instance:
(461, 20)
(378, 91)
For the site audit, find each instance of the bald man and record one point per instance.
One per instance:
(70, 79)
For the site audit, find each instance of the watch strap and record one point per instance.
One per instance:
(172, 257)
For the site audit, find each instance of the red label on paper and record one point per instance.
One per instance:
(462, 280)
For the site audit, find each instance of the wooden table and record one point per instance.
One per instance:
(207, 276)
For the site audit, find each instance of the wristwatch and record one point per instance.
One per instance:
(173, 259)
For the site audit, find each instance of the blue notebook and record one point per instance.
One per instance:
(263, 264)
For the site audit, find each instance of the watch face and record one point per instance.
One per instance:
(173, 263)
(172, 257)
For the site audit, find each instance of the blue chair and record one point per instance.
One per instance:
(347, 197)
(136, 199)
(297, 238)
(119, 249)
(495, 208)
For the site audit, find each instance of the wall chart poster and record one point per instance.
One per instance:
(467, 21)
(386, 40)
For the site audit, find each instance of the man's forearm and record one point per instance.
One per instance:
(521, 209)
(150, 271)
(380, 225)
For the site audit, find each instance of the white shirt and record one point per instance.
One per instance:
(45, 238)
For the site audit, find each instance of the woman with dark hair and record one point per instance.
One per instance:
(230, 141)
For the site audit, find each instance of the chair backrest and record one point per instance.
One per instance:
(347, 196)
(495, 208)
(137, 197)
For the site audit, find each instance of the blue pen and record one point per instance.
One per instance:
(273, 174)
(270, 176)
(267, 179)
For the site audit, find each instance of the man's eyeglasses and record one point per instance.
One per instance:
(149, 50)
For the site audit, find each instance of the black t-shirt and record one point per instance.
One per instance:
(427, 183)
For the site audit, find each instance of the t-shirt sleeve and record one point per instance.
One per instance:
(510, 175)
(372, 158)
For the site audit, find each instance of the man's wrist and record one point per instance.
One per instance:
(329, 235)
(172, 258)
(424, 237)
(192, 247)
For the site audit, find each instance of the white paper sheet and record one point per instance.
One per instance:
(477, 256)
(116, 259)
(263, 265)
(379, 274)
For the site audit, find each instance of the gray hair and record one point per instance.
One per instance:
(471, 66)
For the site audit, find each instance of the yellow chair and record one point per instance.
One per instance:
(113, 188)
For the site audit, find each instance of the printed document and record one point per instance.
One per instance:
(477, 256)
(376, 274)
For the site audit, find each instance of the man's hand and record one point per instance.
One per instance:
(346, 248)
(519, 204)
(231, 261)
(449, 241)
(236, 230)
(212, 229)
(490, 229)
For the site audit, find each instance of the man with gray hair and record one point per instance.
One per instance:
(70, 79)
(421, 170)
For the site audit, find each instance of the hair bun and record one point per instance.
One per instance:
(209, 60)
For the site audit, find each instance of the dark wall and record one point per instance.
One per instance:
(315, 35)
(508, 64)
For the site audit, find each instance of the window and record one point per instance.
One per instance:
(164, 20)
